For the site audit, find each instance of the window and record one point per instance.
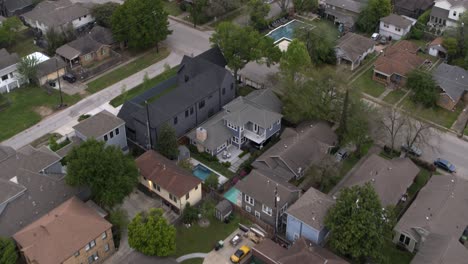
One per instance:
(5, 77)
(454, 13)
(196, 187)
(248, 209)
(88, 57)
(172, 197)
(257, 214)
(278, 122)
(93, 258)
(187, 196)
(231, 126)
(296, 236)
(267, 210)
(249, 200)
(232, 86)
(404, 240)
(385, 25)
(90, 245)
(191, 110)
(79, 19)
(255, 127)
(77, 253)
(85, 16)
(186, 78)
(104, 51)
(201, 104)
(224, 91)
(186, 113)
(117, 131)
(104, 235)
(105, 137)
(106, 247)
(111, 134)
(398, 29)
(175, 120)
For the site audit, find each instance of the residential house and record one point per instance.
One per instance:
(306, 217)
(395, 26)
(392, 67)
(413, 8)
(298, 149)
(73, 232)
(84, 51)
(103, 35)
(31, 184)
(200, 90)
(258, 191)
(436, 48)
(435, 224)
(58, 15)
(15, 7)
(174, 185)
(50, 70)
(353, 49)
(302, 251)
(453, 83)
(344, 12)
(254, 118)
(390, 178)
(446, 13)
(8, 71)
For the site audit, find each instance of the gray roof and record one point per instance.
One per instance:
(217, 132)
(80, 46)
(102, 35)
(7, 59)
(441, 249)
(312, 208)
(6, 152)
(224, 207)
(390, 178)
(56, 13)
(353, 45)
(455, 3)
(50, 66)
(414, 5)
(15, 5)
(350, 5)
(439, 12)
(396, 20)
(98, 125)
(452, 79)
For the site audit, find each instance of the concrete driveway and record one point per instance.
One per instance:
(223, 255)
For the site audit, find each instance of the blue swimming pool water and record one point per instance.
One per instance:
(286, 30)
(232, 195)
(201, 172)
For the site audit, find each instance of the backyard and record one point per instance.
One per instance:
(24, 44)
(395, 255)
(211, 162)
(365, 84)
(436, 114)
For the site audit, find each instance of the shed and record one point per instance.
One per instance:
(223, 209)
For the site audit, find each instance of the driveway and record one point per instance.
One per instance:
(223, 255)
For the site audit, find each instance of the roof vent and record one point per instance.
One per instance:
(14, 180)
(373, 180)
(313, 218)
(285, 146)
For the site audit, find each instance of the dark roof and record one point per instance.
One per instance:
(50, 66)
(350, 5)
(413, 5)
(353, 45)
(98, 125)
(102, 35)
(80, 46)
(452, 79)
(56, 13)
(15, 5)
(396, 20)
(165, 173)
(441, 249)
(224, 206)
(215, 56)
(7, 59)
(439, 12)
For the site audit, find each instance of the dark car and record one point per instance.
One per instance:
(445, 165)
(413, 150)
(69, 77)
(341, 155)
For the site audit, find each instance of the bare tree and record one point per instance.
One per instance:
(417, 133)
(283, 4)
(391, 123)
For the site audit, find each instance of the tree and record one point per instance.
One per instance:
(167, 142)
(452, 49)
(304, 6)
(283, 4)
(9, 31)
(320, 43)
(325, 175)
(103, 13)
(358, 216)
(150, 234)
(27, 67)
(56, 38)
(370, 16)
(391, 123)
(357, 128)
(241, 45)
(190, 214)
(423, 87)
(119, 220)
(417, 133)
(109, 174)
(295, 60)
(197, 11)
(258, 11)
(8, 253)
(140, 23)
(219, 7)
(212, 181)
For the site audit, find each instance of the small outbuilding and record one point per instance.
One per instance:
(436, 49)
(223, 210)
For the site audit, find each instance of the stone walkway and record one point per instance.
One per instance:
(234, 167)
(385, 93)
(191, 256)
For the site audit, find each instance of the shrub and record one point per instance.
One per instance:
(226, 164)
(190, 214)
(119, 221)
(83, 117)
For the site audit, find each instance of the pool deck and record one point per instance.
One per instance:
(221, 179)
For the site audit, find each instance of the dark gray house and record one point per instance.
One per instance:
(413, 8)
(15, 7)
(201, 88)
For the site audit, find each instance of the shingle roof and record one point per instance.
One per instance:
(400, 58)
(353, 45)
(217, 132)
(455, 3)
(439, 12)
(350, 5)
(390, 178)
(56, 13)
(414, 5)
(57, 235)
(102, 35)
(224, 206)
(396, 20)
(452, 79)
(14, 5)
(312, 208)
(7, 59)
(98, 125)
(440, 249)
(165, 173)
(50, 66)
(80, 46)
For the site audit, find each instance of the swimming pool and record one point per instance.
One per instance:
(201, 172)
(286, 31)
(232, 195)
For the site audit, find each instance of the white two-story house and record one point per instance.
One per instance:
(9, 78)
(395, 26)
(446, 13)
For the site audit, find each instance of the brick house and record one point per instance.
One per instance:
(84, 51)
(453, 84)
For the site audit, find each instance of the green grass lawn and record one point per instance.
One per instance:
(193, 261)
(245, 90)
(198, 239)
(230, 17)
(172, 8)
(143, 87)
(395, 255)
(419, 182)
(436, 114)
(394, 96)
(24, 44)
(21, 113)
(123, 72)
(365, 84)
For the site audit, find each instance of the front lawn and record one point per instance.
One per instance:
(125, 71)
(29, 104)
(436, 114)
(394, 96)
(395, 255)
(365, 84)
(172, 7)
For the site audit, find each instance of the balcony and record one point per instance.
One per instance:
(252, 136)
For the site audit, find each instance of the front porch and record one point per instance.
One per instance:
(257, 138)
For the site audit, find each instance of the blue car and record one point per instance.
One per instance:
(445, 165)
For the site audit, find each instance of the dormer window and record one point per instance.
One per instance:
(454, 13)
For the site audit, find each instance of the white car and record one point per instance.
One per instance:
(375, 36)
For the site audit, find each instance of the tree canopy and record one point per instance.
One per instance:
(295, 60)
(9, 31)
(141, 23)
(320, 42)
(27, 67)
(8, 253)
(197, 11)
(304, 6)
(370, 16)
(358, 216)
(212, 181)
(150, 234)
(102, 13)
(423, 87)
(167, 142)
(258, 11)
(109, 173)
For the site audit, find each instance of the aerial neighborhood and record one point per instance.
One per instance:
(241, 131)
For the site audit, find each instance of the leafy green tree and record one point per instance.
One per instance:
(369, 18)
(219, 7)
(450, 44)
(304, 6)
(109, 173)
(241, 45)
(320, 43)
(9, 31)
(258, 10)
(190, 214)
(283, 4)
(150, 234)
(56, 38)
(197, 11)
(295, 60)
(27, 67)
(140, 23)
(8, 253)
(167, 142)
(424, 88)
(358, 216)
(212, 181)
(103, 13)
(119, 220)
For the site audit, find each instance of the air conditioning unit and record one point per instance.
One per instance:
(96, 257)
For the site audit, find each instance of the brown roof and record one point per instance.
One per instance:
(57, 235)
(437, 41)
(401, 58)
(166, 173)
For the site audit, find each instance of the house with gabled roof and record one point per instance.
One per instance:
(447, 13)
(343, 12)
(353, 49)
(413, 8)
(9, 76)
(453, 83)
(395, 26)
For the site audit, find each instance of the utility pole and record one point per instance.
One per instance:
(59, 84)
(149, 145)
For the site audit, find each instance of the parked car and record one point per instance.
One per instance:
(413, 150)
(375, 36)
(445, 165)
(383, 40)
(69, 77)
(240, 254)
(341, 154)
